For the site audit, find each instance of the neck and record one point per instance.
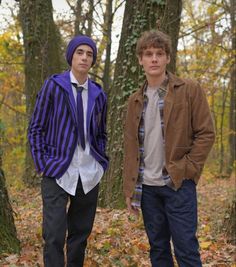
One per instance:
(154, 81)
(80, 77)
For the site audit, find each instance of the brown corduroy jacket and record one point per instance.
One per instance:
(188, 132)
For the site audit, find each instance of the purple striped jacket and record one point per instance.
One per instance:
(53, 130)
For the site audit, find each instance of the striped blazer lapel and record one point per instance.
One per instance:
(93, 92)
(71, 103)
(65, 83)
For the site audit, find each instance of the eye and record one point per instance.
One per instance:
(160, 54)
(89, 54)
(148, 54)
(79, 52)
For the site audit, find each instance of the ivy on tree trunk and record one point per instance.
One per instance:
(140, 15)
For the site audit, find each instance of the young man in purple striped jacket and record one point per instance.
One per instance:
(67, 135)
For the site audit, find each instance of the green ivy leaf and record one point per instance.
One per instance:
(158, 2)
(133, 69)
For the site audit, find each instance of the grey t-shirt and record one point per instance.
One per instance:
(154, 159)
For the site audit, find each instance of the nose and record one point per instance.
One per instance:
(154, 57)
(84, 56)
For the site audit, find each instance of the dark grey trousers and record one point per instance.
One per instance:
(76, 219)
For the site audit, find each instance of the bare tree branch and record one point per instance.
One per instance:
(121, 3)
(14, 109)
(205, 25)
(12, 63)
(71, 6)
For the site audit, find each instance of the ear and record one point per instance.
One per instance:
(140, 60)
(168, 59)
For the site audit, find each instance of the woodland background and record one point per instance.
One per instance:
(32, 47)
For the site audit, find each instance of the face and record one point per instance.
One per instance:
(82, 59)
(154, 61)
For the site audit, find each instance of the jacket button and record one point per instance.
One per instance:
(137, 159)
(133, 179)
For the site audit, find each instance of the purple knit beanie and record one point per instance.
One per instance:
(80, 40)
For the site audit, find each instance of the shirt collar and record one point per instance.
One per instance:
(73, 80)
(162, 88)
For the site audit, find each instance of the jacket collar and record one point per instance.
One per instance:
(174, 82)
(64, 81)
(139, 94)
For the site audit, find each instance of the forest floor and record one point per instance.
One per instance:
(118, 239)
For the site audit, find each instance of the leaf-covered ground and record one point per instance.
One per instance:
(118, 239)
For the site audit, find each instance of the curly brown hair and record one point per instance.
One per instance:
(153, 38)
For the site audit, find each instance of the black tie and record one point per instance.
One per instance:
(80, 114)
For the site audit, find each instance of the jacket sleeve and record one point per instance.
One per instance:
(38, 124)
(203, 131)
(130, 164)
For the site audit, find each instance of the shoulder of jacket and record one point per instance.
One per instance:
(47, 85)
(193, 88)
(134, 96)
(190, 82)
(177, 81)
(99, 87)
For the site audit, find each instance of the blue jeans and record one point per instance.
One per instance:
(171, 214)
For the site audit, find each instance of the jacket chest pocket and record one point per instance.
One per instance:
(179, 116)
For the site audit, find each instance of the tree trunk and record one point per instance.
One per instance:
(104, 46)
(78, 17)
(170, 23)
(9, 242)
(42, 58)
(232, 114)
(140, 15)
(83, 21)
(230, 221)
(108, 18)
(221, 132)
(89, 16)
(229, 224)
(8, 236)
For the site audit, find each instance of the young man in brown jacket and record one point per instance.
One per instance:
(168, 135)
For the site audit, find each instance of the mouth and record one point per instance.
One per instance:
(154, 67)
(83, 65)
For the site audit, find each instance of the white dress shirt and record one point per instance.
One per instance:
(82, 164)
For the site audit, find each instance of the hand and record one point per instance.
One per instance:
(131, 209)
